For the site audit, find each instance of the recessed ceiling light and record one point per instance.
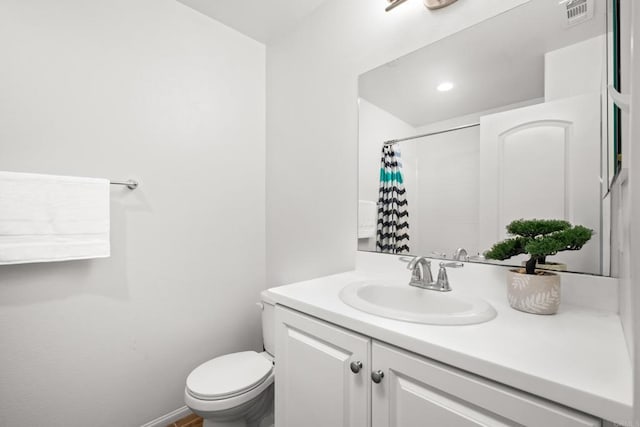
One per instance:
(445, 86)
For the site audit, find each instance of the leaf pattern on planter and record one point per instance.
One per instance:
(533, 293)
(539, 303)
(520, 282)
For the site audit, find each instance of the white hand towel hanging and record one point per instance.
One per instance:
(47, 218)
(367, 218)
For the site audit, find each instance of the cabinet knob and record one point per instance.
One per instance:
(356, 366)
(377, 376)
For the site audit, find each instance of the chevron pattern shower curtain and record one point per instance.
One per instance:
(393, 226)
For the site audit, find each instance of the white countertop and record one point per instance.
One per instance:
(577, 357)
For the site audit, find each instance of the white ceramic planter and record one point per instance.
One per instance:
(533, 293)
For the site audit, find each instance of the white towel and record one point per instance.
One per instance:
(367, 218)
(52, 218)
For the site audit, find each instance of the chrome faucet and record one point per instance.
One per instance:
(460, 254)
(421, 274)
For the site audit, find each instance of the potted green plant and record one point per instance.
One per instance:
(528, 289)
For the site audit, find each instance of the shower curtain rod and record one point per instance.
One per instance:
(393, 141)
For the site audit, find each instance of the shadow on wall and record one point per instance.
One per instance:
(25, 284)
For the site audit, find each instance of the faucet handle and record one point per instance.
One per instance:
(443, 280)
(451, 264)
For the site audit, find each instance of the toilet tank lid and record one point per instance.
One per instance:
(266, 297)
(228, 375)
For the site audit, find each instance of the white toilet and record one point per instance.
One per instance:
(236, 390)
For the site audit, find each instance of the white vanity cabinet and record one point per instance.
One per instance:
(416, 391)
(316, 385)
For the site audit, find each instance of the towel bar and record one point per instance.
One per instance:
(130, 183)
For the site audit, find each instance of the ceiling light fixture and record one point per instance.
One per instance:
(445, 86)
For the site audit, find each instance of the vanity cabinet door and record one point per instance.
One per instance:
(416, 391)
(315, 384)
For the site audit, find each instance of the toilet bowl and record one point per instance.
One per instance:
(236, 390)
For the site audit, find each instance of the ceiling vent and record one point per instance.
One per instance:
(577, 11)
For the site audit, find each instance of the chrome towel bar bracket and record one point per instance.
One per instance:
(130, 183)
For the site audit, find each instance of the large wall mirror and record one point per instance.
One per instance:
(504, 120)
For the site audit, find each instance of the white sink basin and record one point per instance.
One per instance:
(411, 304)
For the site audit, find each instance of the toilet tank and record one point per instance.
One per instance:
(268, 321)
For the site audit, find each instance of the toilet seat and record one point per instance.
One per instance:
(229, 380)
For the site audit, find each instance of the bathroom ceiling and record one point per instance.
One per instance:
(506, 51)
(258, 19)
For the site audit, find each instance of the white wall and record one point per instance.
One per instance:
(448, 182)
(576, 69)
(312, 122)
(377, 125)
(148, 89)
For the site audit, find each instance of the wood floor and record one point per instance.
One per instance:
(191, 421)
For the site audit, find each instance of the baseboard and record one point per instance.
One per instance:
(169, 418)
